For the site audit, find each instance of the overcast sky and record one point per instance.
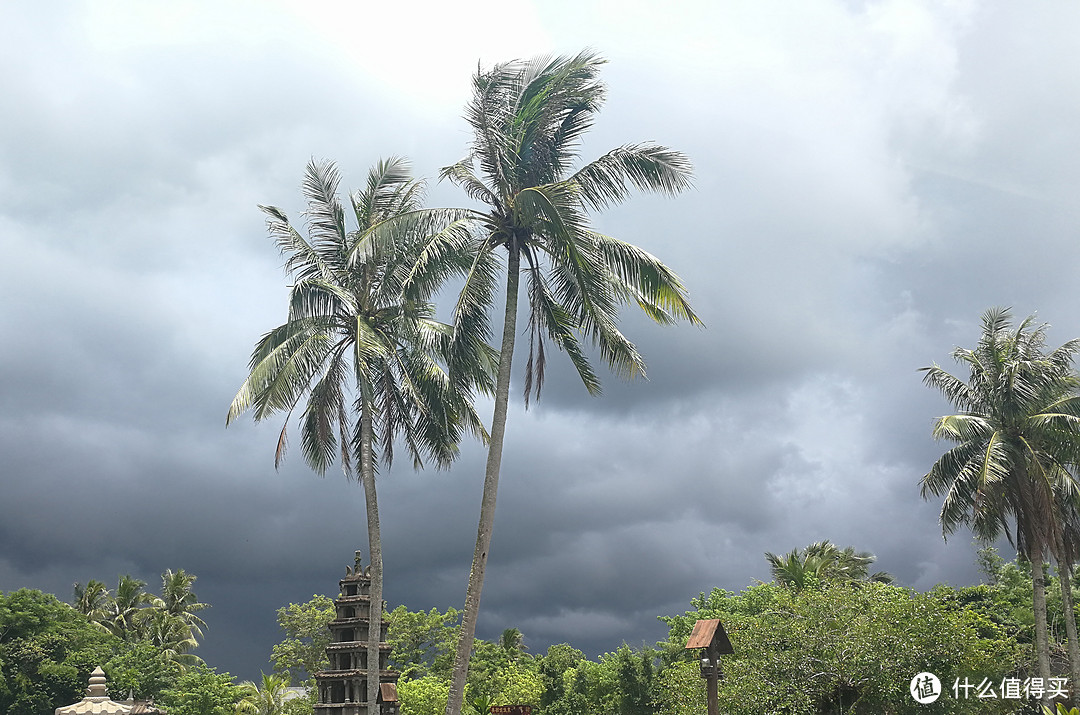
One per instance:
(870, 177)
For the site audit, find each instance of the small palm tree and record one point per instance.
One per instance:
(361, 346)
(528, 119)
(512, 641)
(172, 636)
(179, 601)
(481, 704)
(93, 602)
(823, 561)
(126, 611)
(267, 699)
(1017, 434)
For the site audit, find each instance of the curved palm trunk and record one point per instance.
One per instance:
(491, 488)
(367, 477)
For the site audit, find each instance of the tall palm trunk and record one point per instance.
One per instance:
(1038, 598)
(491, 488)
(1065, 579)
(1036, 547)
(367, 477)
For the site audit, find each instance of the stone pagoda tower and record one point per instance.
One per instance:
(343, 686)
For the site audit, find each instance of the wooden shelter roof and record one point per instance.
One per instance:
(710, 633)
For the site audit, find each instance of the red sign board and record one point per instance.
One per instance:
(511, 710)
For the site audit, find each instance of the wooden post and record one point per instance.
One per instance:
(711, 681)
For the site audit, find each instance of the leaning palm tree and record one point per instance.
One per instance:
(1017, 434)
(528, 119)
(361, 330)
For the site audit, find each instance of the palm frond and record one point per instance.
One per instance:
(646, 166)
(461, 174)
(302, 260)
(283, 363)
(643, 278)
(326, 219)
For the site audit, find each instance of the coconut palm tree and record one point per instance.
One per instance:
(179, 601)
(852, 566)
(93, 602)
(1016, 434)
(126, 612)
(512, 642)
(171, 636)
(527, 120)
(269, 699)
(361, 330)
(824, 561)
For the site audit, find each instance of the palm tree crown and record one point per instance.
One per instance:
(824, 561)
(1017, 433)
(127, 614)
(359, 312)
(528, 119)
(179, 602)
(92, 601)
(269, 699)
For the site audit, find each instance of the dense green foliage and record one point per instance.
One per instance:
(838, 649)
(834, 645)
(425, 695)
(47, 651)
(422, 642)
(143, 670)
(201, 691)
(831, 645)
(303, 652)
(168, 622)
